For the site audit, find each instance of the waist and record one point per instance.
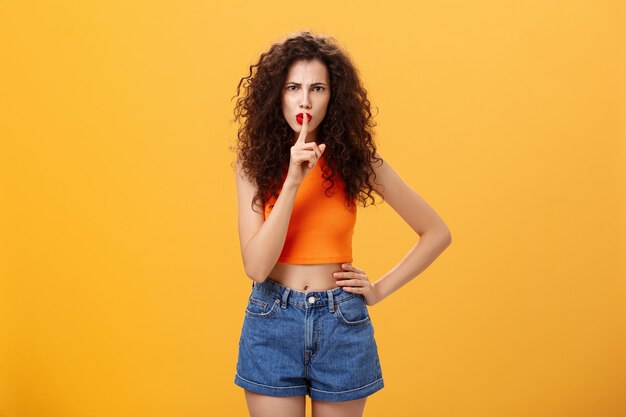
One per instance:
(303, 298)
(301, 277)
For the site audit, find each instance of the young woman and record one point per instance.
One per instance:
(305, 157)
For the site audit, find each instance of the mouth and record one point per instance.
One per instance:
(299, 117)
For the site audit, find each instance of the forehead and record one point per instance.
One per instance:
(307, 71)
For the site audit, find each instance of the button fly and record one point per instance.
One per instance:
(311, 299)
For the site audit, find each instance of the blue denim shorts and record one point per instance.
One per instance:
(316, 343)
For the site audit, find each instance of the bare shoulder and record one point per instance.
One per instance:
(415, 211)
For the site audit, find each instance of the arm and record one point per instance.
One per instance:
(261, 242)
(434, 236)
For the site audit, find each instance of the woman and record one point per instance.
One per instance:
(305, 157)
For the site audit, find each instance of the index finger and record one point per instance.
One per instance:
(305, 128)
(352, 267)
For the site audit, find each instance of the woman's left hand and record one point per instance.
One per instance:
(355, 280)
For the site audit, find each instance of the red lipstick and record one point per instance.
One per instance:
(299, 117)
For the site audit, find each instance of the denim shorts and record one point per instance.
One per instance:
(316, 343)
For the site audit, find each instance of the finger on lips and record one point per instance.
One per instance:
(303, 130)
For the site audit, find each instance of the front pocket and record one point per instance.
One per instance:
(353, 312)
(256, 301)
(261, 305)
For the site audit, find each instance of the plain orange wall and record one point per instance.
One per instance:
(123, 290)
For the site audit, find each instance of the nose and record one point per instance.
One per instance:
(305, 102)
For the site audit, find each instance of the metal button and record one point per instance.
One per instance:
(311, 299)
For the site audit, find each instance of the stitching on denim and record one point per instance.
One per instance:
(270, 386)
(258, 302)
(350, 390)
(354, 323)
(269, 313)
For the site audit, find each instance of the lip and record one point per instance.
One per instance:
(300, 115)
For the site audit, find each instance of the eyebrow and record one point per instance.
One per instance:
(291, 82)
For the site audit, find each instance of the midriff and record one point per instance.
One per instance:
(301, 277)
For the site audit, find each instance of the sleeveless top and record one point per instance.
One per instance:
(321, 227)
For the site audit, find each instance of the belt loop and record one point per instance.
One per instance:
(285, 295)
(331, 302)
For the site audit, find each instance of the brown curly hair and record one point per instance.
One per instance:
(265, 138)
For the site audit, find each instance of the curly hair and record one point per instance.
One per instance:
(264, 137)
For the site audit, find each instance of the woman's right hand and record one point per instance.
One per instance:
(304, 155)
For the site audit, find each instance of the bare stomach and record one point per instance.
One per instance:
(316, 277)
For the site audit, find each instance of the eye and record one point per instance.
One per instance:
(320, 87)
(289, 86)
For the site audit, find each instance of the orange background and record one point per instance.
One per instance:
(123, 290)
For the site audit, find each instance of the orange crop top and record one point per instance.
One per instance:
(321, 227)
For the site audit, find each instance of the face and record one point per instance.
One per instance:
(306, 90)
